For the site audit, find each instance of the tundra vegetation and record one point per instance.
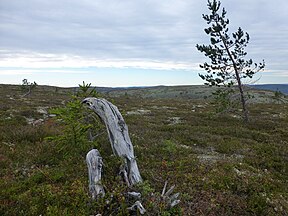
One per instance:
(219, 165)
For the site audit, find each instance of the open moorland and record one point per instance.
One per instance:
(220, 165)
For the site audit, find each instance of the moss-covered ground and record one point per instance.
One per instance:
(219, 165)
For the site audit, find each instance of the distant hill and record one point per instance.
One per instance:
(191, 91)
(187, 92)
(273, 87)
(111, 89)
(261, 93)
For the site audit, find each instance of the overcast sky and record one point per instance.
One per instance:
(130, 42)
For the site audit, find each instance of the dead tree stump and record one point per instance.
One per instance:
(121, 146)
(118, 136)
(94, 163)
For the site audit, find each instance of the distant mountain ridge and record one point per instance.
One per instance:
(272, 87)
(260, 93)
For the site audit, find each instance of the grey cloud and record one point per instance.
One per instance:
(143, 29)
(95, 25)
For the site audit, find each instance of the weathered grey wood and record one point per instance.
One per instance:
(94, 163)
(139, 206)
(135, 195)
(118, 136)
(171, 201)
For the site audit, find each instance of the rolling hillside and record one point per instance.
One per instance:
(273, 87)
(219, 165)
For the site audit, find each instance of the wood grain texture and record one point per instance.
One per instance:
(118, 135)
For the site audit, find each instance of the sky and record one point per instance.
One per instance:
(130, 42)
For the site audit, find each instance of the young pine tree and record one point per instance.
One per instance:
(79, 124)
(228, 65)
(27, 87)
